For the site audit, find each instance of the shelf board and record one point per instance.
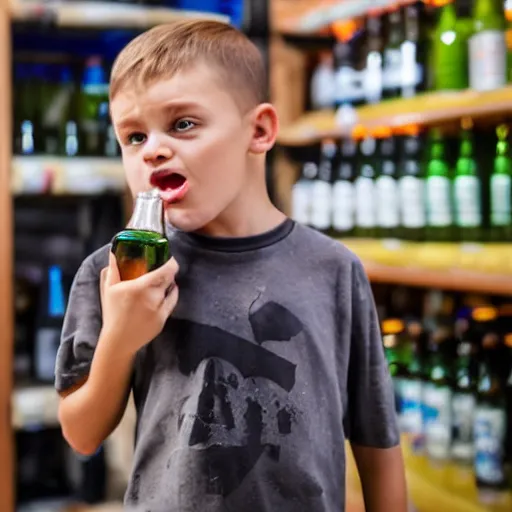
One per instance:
(55, 175)
(425, 109)
(310, 16)
(458, 267)
(96, 14)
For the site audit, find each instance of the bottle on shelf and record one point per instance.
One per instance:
(322, 188)
(386, 183)
(439, 221)
(411, 184)
(142, 246)
(323, 83)
(392, 53)
(365, 194)
(467, 189)
(487, 46)
(373, 60)
(501, 190)
(301, 194)
(343, 218)
(449, 54)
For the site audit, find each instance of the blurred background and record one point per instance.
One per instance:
(395, 139)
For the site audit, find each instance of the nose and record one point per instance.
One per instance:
(156, 150)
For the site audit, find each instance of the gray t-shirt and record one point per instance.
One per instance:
(272, 358)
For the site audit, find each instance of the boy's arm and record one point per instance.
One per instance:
(382, 477)
(371, 423)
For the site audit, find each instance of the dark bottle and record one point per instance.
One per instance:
(490, 416)
(373, 67)
(438, 191)
(301, 193)
(386, 183)
(366, 204)
(411, 185)
(392, 54)
(142, 246)
(343, 190)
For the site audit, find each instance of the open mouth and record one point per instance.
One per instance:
(172, 185)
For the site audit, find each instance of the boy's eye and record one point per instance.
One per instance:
(136, 138)
(183, 125)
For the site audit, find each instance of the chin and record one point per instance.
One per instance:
(186, 220)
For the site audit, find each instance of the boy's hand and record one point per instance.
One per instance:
(135, 311)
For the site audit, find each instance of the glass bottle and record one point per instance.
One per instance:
(142, 246)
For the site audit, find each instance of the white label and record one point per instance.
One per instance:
(438, 421)
(463, 413)
(343, 206)
(412, 199)
(388, 212)
(500, 199)
(348, 85)
(487, 60)
(373, 77)
(301, 201)
(467, 201)
(439, 212)
(323, 87)
(412, 73)
(321, 204)
(411, 419)
(392, 73)
(490, 427)
(365, 202)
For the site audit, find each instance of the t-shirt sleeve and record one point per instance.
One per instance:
(81, 328)
(371, 420)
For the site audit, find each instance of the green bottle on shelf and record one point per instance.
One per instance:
(142, 246)
(501, 190)
(467, 189)
(487, 46)
(438, 191)
(449, 56)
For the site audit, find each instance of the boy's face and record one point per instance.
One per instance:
(187, 136)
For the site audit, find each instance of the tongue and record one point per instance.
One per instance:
(172, 182)
(174, 192)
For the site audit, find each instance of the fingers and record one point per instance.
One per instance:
(103, 280)
(112, 274)
(170, 301)
(162, 277)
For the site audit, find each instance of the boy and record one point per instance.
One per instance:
(247, 387)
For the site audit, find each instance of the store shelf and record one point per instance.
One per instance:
(54, 175)
(424, 109)
(96, 14)
(459, 267)
(34, 407)
(310, 16)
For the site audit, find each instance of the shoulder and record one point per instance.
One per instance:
(91, 267)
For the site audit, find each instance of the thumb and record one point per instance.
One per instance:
(112, 276)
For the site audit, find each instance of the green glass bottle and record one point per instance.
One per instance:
(487, 46)
(438, 192)
(467, 189)
(142, 246)
(501, 190)
(449, 56)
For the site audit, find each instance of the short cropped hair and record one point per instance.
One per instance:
(166, 49)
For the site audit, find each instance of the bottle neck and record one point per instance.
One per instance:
(147, 213)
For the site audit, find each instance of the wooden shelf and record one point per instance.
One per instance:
(459, 267)
(54, 175)
(95, 14)
(310, 16)
(424, 109)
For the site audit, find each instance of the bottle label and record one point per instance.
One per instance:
(343, 205)
(412, 200)
(439, 211)
(467, 201)
(490, 426)
(501, 191)
(301, 201)
(410, 418)
(373, 77)
(412, 71)
(321, 204)
(487, 60)
(388, 213)
(463, 414)
(438, 420)
(392, 73)
(365, 202)
(348, 85)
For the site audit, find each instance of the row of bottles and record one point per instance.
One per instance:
(452, 372)
(62, 109)
(401, 51)
(403, 184)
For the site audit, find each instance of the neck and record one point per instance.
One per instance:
(251, 213)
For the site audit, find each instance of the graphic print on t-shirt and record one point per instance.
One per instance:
(235, 421)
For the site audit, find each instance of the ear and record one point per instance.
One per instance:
(265, 125)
